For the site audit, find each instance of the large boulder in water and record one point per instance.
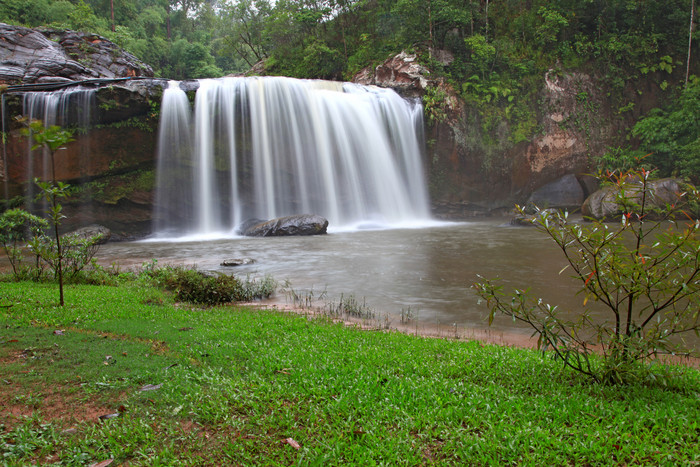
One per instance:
(102, 233)
(604, 203)
(563, 193)
(248, 224)
(302, 224)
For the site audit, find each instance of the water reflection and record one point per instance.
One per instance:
(429, 270)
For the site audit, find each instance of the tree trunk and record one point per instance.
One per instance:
(486, 14)
(690, 40)
(167, 21)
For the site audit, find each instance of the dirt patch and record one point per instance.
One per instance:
(63, 407)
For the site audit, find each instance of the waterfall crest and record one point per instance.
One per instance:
(271, 147)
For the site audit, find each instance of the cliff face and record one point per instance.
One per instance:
(48, 55)
(473, 172)
(112, 164)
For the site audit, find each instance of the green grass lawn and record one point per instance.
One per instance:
(236, 386)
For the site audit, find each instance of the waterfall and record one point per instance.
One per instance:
(270, 147)
(71, 107)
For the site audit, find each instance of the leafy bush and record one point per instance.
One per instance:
(16, 225)
(76, 252)
(645, 271)
(191, 285)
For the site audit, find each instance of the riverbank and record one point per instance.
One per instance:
(125, 373)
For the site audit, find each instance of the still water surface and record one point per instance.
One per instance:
(430, 270)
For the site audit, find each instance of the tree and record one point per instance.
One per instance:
(644, 270)
(242, 30)
(53, 139)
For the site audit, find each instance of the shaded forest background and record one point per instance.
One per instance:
(493, 53)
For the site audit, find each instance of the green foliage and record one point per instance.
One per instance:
(26, 12)
(644, 271)
(621, 40)
(435, 105)
(16, 226)
(673, 134)
(482, 54)
(115, 188)
(620, 160)
(191, 285)
(322, 62)
(553, 22)
(77, 252)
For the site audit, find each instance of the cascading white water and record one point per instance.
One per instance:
(270, 147)
(70, 107)
(175, 180)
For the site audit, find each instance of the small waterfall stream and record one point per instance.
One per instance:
(70, 107)
(270, 147)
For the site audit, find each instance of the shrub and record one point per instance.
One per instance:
(645, 270)
(76, 252)
(191, 285)
(16, 225)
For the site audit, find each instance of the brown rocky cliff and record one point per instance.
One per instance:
(113, 163)
(472, 173)
(50, 55)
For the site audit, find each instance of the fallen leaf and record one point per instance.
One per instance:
(292, 443)
(150, 387)
(185, 329)
(108, 416)
(284, 371)
(104, 463)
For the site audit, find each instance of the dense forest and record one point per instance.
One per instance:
(493, 53)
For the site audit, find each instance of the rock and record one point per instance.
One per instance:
(237, 262)
(603, 204)
(247, 224)
(572, 128)
(589, 183)
(443, 57)
(52, 55)
(563, 193)
(91, 231)
(402, 73)
(302, 224)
